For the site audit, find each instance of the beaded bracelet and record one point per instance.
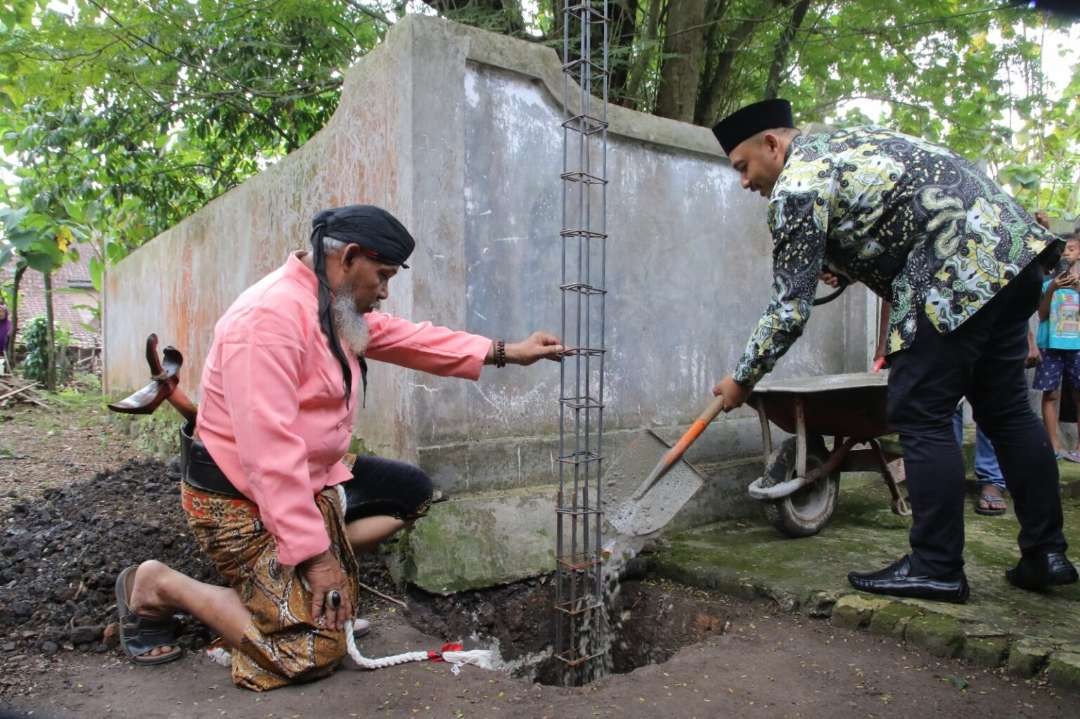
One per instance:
(500, 353)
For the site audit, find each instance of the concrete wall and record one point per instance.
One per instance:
(457, 132)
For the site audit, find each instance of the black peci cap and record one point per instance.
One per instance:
(748, 121)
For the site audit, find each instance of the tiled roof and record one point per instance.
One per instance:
(71, 288)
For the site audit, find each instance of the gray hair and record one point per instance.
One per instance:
(330, 245)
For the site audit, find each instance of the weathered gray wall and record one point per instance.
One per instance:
(457, 132)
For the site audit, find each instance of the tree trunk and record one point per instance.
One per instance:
(783, 45)
(715, 99)
(50, 336)
(620, 41)
(684, 52)
(515, 22)
(14, 312)
(640, 70)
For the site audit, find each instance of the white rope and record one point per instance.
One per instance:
(219, 655)
(477, 657)
(456, 659)
(365, 663)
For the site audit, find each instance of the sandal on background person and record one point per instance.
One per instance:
(991, 505)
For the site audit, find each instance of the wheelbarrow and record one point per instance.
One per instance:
(801, 483)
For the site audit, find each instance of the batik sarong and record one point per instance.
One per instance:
(283, 644)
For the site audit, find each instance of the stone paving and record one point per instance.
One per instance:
(999, 626)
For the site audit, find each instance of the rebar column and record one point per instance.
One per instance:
(579, 599)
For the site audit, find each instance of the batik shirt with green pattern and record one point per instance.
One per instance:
(919, 225)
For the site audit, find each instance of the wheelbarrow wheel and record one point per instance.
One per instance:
(806, 511)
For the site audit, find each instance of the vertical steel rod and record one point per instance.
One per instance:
(579, 593)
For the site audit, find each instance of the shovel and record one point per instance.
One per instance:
(656, 502)
(668, 487)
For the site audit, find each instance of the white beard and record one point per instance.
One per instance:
(350, 325)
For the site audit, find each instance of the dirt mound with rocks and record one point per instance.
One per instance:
(59, 557)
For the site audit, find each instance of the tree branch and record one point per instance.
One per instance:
(783, 45)
(821, 106)
(376, 15)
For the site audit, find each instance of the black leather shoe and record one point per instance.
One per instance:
(1039, 571)
(897, 580)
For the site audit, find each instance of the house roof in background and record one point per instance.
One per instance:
(72, 291)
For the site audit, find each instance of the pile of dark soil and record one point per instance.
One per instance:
(59, 556)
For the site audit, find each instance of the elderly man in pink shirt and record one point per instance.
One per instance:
(265, 491)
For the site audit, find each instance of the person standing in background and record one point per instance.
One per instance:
(5, 328)
(1059, 341)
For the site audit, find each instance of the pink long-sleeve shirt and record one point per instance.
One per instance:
(273, 412)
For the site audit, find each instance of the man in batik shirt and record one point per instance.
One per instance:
(954, 255)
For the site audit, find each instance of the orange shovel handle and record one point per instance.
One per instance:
(679, 449)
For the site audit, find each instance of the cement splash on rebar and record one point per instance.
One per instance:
(597, 632)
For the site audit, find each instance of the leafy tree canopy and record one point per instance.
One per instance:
(125, 116)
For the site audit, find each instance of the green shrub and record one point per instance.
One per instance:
(36, 362)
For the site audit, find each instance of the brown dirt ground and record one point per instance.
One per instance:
(766, 665)
(755, 662)
(45, 448)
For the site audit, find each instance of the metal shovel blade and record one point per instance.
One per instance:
(657, 506)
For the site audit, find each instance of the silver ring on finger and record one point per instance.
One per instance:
(333, 598)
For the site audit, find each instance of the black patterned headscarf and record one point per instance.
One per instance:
(383, 239)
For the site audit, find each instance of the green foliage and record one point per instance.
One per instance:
(84, 388)
(966, 73)
(358, 447)
(35, 238)
(127, 116)
(35, 364)
(156, 435)
(124, 117)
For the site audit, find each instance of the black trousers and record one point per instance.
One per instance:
(378, 487)
(386, 487)
(982, 360)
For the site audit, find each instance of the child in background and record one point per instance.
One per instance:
(1059, 340)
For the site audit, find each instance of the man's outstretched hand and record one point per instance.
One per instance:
(734, 394)
(537, 346)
